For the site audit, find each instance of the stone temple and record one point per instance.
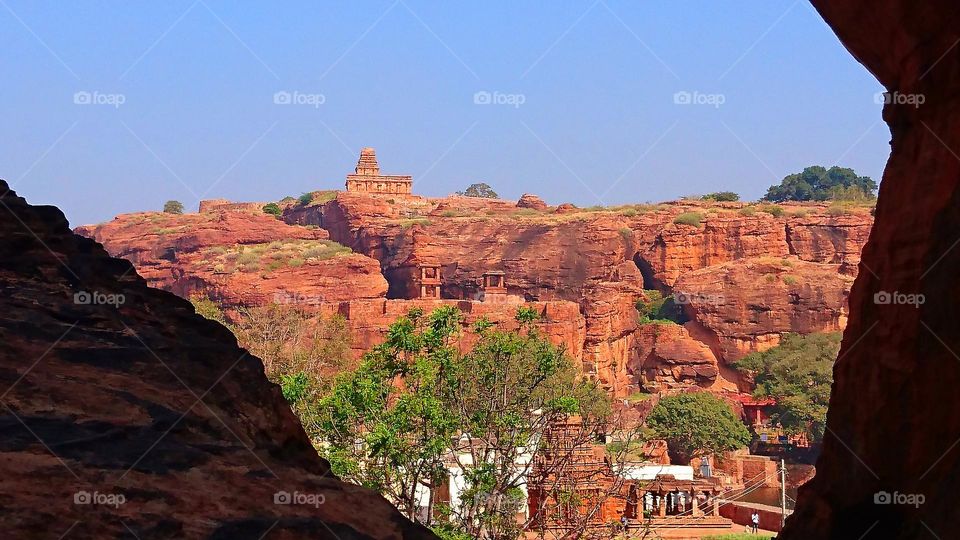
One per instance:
(367, 177)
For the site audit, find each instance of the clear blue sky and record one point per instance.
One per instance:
(596, 79)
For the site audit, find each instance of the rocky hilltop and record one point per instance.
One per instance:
(743, 273)
(125, 414)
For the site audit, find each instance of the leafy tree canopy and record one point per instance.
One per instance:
(173, 207)
(480, 189)
(697, 424)
(416, 401)
(273, 209)
(306, 198)
(658, 308)
(722, 196)
(819, 184)
(798, 374)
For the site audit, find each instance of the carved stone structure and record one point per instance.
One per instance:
(427, 280)
(573, 485)
(367, 177)
(494, 288)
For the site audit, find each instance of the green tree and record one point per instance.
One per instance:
(513, 386)
(722, 196)
(417, 403)
(798, 374)
(697, 424)
(273, 209)
(386, 424)
(657, 308)
(481, 190)
(173, 207)
(819, 184)
(306, 198)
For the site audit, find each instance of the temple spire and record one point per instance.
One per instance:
(367, 177)
(367, 164)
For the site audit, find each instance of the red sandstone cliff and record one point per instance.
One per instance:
(747, 304)
(600, 259)
(138, 417)
(603, 258)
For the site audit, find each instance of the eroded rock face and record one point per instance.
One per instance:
(678, 249)
(125, 414)
(668, 357)
(204, 253)
(894, 414)
(601, 260)
(604, 259)
(747, 304)
(834, 240)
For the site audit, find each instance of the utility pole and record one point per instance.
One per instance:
(783, 493)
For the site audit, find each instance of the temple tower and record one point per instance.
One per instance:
(367, 177)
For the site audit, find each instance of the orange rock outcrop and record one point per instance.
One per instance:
(191, 253)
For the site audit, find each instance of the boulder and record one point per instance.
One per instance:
(531, 201)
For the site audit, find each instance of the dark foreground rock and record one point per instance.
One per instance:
(890, 464)
(124, 414)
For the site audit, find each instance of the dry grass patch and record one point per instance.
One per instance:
(271, 256)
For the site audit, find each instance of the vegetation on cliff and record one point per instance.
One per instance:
(173, 207)
(817, 183)
(300, 352)
(693, 219)
(480, 189)
(722, 196)
(657, 308)
(798, 374)
(273, 209)
(270, 256)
